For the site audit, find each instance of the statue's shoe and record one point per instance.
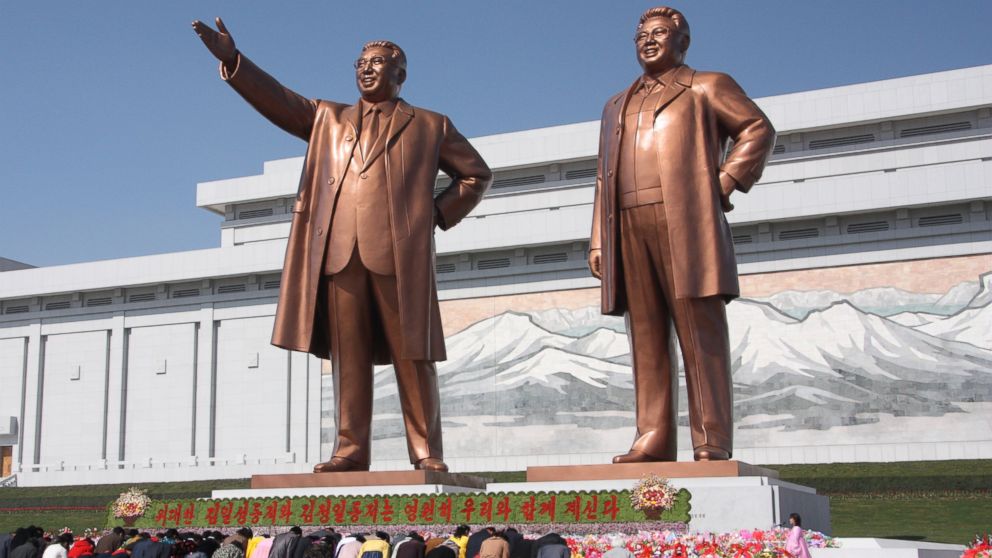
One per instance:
(705, 453)
(636, 456)
(431, 464)
(339, 465)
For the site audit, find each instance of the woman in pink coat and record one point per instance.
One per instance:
(796, 543)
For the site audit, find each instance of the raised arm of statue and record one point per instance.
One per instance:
(220, 43)
(283, 107)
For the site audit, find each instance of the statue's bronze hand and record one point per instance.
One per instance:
(221, 44)
(596, 263)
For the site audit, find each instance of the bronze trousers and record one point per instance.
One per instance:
(701, 325)
(361, 305)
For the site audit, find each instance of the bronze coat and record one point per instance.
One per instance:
(419, 143)
(700, 112)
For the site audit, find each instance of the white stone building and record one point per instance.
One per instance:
(865, 333)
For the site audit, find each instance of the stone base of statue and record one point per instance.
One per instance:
(726, 495)
(667, 469)
(357, 483)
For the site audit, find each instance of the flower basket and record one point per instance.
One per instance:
(653, 496)
(131, 505)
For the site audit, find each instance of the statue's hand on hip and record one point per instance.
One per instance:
(727, 186)
(219, 43)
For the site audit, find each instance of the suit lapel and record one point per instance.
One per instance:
(681, 79)
(401, 117)
(624, 100)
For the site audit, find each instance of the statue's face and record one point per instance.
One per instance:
(660, 45)
(378, 75)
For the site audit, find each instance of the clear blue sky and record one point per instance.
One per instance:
(111, 111)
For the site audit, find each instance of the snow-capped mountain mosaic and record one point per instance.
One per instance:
(805, 364)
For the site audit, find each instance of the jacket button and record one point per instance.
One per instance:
(348, 138)
(609, 173)
(330, 181)
(618, 131)
(320, 231)
(365, 175)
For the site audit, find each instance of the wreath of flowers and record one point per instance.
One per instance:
(132, 503)
(652, 493)
(981, 547)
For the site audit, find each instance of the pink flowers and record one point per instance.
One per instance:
(670, 544)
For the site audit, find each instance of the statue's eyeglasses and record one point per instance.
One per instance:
(656, 33)
(377, 61)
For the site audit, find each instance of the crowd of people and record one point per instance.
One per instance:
(489, 542)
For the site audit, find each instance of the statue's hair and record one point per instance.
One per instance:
(671, 13)
(398, 55)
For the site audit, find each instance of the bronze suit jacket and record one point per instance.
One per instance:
(419, 143)
(700, 112)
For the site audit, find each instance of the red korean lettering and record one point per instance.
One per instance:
(163, 515)
(213, 514)
(286, 511)
(427, 511)
(591, 508)
(272, 511)
(574, 508)
(549, 508)
(256, 512)
(503, 508)
(340, 508)
(411, 510)
(528, 509)
(486, 509)
(610, 507)
(225, 513)
(372, 510)
(446, 509)
(387, 511)
(324, 512)
(175, 515)
(309, 508)
(355, 513)
(241, 514)
(468, 508)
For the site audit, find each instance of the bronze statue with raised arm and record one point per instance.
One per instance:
(660, 243)
(358, 284)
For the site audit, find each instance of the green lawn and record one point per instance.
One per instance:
(940, 501)
(948, 519)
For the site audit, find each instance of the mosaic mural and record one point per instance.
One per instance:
(810, 367)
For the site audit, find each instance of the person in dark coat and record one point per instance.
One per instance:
(522, 547)
(284, 544)
(442, 551)
(301, 547)
(411, 547)
(30, 548)
(151, 549)
(551, 539)
(110, 542)
(513, 537)
(5, 540)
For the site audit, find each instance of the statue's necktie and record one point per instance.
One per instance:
(370, 132)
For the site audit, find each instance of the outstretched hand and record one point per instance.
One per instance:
(220, 44)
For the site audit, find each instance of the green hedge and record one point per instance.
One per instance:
(424, 509)
(914, 477)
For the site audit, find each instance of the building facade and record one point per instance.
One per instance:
(864, 331)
